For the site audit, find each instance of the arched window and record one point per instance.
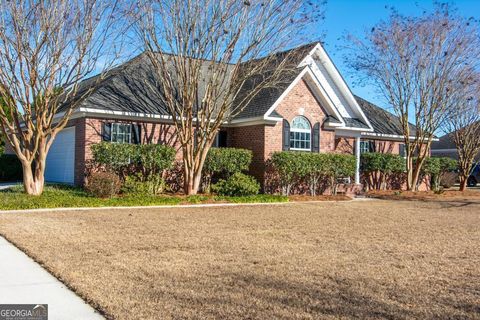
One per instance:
(300, 134)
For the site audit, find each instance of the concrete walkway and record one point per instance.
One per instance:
(6, 185)
(23, 281)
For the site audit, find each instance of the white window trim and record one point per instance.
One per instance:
(121, 124)
(363, 143)
(309, 131)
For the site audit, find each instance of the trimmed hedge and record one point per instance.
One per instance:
(221, 163)
(140, 166)
(125, 159)
(10, 168)
(382, 169)
(237, 185)
(315, 169)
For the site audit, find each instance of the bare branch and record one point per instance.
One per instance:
(46, 49)
(212, 57)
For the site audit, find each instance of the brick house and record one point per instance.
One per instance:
(313, 111)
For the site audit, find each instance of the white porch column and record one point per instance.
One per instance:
(357, 158)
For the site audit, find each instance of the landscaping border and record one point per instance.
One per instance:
(205, 205)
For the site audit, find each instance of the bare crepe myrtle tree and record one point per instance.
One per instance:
(212, 57)
(463, 127)
(416, 62)
(46, 49)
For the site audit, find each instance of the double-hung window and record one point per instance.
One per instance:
(367, 146)
(121, 133)
(300, 134)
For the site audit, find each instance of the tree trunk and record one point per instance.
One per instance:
(409, 162)
(33, 178)
(463, 182)
(192, 181)
(192, 172)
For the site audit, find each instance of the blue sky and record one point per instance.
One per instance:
(356, 16)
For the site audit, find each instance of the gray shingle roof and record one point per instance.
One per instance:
(355, 123)
(444, 142)
(262, 101)
(382, 121)
(133, 87)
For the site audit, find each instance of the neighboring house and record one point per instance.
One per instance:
(314, 110)
(445, 147)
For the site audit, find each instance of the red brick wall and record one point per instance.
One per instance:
(251, 138)
(299, 97)
(89, 131)
(263, 140)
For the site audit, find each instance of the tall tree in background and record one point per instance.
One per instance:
(199, 51)
(416, 63)
(463, 126)
(46, 49)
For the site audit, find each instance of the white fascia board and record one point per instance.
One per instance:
(339, 81)
(374, 135)
(332, 125)
(341, 132)
(121, 115)
(317, 86)
(362, 130)
(323, 93)
(253, 121)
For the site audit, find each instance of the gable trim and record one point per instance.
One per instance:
(318, 87)
(333, 72)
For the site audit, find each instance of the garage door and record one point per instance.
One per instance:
(61, 158)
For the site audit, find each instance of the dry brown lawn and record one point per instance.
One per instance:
(470, 195)
(363, 259)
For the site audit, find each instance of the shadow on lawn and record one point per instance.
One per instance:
(254, 297)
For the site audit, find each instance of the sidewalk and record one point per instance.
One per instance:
(6, 185)
(23, 281)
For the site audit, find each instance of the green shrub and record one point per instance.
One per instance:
(115, 157)
(438, 168)
(10, 168)
(135, 185)
(291, 168)
(317, 169)
(237, 185)
(294, 168)
(153, 158)
(379, 168)
(127, 159)
(339, 166)
(103, 184)
(2, 149)
(224, 162)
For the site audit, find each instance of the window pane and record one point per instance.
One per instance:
(300, 134)
(121, 133)
(300, 123)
